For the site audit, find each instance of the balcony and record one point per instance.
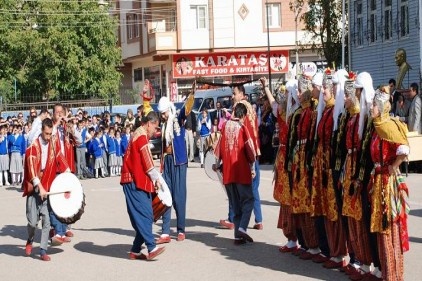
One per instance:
(161, 36)
(162, 1)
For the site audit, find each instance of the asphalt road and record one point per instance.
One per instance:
(103, 237)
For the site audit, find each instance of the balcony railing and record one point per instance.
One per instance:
(161, 36)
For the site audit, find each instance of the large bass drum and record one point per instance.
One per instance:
(66, 198)
(161, 201)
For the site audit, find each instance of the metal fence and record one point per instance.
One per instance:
(93, 106)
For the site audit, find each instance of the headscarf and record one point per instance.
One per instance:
(364, 81)
(291, 88)
(387, 128)
(339, 78)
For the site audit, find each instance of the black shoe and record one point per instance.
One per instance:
(202, 165)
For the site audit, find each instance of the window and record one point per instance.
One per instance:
(136, 25)
(199, 16)
(388, 20)
(373, 21)
(274, 15)
(404, 18)
(359, 23)
(129, 25)
(137, 74)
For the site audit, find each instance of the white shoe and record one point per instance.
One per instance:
(7, 183)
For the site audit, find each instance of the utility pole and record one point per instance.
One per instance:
(268, 47)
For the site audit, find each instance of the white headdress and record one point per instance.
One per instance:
(291, 88)
(339, 78)
(165, 105)
(318, 80)
(364, 81)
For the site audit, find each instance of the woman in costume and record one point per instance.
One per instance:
(389, 148)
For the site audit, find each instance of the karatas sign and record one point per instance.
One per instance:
(227, 64)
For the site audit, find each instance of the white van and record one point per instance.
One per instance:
(209, 98)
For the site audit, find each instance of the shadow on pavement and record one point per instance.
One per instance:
(270, 203)
(415, 239)
(114, 250)
(264, 255)
(119, 231)
(17, 231)
(20, 232)
(19, 250)
(416, 213)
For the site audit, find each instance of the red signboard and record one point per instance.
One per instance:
(228, 64)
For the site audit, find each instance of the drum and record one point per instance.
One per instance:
(66, 198)
(209, 160)
(161, 201)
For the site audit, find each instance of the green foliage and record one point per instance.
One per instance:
(59, 50)
(322, 19)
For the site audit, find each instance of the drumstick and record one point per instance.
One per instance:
(58, 192)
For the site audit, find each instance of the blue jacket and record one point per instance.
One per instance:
(3, 146)
(111, 145)
(179, 144)
(97, 148)
(17, 144)
(124, 143)
(118, 147)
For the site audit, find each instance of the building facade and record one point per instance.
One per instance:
(170, 42)
(377, 29)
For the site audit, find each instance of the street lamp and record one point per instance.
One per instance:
(268, 46)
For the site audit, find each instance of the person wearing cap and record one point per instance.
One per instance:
(174, 160)
(130, 119)
(389, 193)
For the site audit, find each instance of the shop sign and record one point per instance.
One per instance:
(228, 64)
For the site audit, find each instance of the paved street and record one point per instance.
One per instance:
(104, 236)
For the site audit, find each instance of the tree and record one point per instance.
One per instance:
(61, 50)
(322, 21)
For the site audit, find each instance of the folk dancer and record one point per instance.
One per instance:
(389, 148)
(42, 162)
(61, 138)
(301, 197)
(323, 194)
(352, 199)
(140, 179)
(362, 182)
(174, 166)
(283, 112)
(236, 150)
